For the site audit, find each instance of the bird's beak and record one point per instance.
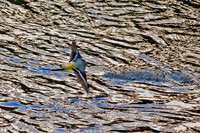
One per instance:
(70, 67)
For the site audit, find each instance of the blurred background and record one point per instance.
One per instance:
(143, 66)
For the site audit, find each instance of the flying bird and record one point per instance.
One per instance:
(77, 65)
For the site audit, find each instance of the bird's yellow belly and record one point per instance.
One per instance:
(70, 67)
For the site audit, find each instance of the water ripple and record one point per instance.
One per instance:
(143, 66)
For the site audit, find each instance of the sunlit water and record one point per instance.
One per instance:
(143, 66)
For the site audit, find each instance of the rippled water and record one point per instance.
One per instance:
(143, 66)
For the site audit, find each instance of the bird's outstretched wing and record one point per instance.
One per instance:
(81, 77)
(74, 52)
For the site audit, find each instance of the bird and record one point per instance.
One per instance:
(77, 65)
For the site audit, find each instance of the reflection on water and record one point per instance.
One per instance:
(13, 105)
(143, 66)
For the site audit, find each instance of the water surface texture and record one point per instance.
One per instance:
(143, 66)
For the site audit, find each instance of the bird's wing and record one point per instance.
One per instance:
(74, 52)
(81, 77)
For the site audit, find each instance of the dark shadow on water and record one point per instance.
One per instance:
(157, 77)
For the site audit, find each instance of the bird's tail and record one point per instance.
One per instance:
(61, 69)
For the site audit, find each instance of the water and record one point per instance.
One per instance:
(143, 66)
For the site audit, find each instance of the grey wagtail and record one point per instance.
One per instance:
(77, 66)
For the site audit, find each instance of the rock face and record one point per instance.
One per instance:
(143, 66)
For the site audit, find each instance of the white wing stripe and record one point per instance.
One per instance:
(76, 55)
